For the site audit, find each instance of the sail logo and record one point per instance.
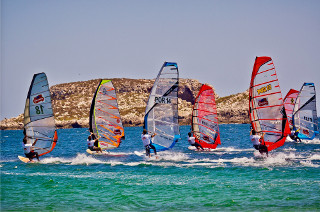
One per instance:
(263, 102)
(117, 132)
(292, 101)
(207, 124)
(306, 132)
(264, 89)
(38, 99)
(162, 100)
(277, 122)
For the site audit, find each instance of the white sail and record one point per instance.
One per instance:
(38, 116)
(161, 115)
(305, 112)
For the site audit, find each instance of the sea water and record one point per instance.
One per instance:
(230, 178)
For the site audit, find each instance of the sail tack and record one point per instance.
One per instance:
(204, 121)
(305, 112)
(38, 116)
(105, 120)
(161, 114)
(289, 102)
(266, 107)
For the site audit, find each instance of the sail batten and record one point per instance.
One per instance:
(161, 114)
(266, 107)
(104, 118)
(204, 122)
(39, 121)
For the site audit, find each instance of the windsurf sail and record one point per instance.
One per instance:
(38, 116)
(305, 112)
(104, 119)
(289, 101)
(161, 114)
(204, 121)
(266, 107)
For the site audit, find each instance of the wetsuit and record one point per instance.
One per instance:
(146, 140)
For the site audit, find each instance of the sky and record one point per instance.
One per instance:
(212, 41)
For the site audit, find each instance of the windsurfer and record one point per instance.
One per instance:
(294, 134)
(28, 149)
(192, 141)
(257, 142)
(146, 140)
(93, 143)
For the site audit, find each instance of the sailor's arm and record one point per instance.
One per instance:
(34, 143)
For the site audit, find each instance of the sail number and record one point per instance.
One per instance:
(162, 100)
(264, 89)
(307, 118)
(39, 109)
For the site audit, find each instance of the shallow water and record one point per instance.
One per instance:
(230, 178)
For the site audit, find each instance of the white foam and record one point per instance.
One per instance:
(314, 157)
(308, 163)
(173, 156)
(289, 149)
(81, 158)
(232, 149)
(313, 141)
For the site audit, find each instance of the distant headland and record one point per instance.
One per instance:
(71, 103)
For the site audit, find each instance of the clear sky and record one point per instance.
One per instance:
(213, 41)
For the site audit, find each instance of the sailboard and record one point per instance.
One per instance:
(266, 106)
(25, 160)
(289, 102)
(104, 118)
(39, 121)
(305, 112)
(204, 122)
(161, 115)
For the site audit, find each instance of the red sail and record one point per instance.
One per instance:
(205, 120)
(289, 102)
(266, 107)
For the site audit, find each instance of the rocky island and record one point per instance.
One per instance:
(71, 103)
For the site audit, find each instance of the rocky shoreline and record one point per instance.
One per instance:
(71, 103)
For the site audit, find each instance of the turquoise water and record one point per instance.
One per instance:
(230, 178)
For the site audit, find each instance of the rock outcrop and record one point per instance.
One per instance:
(71, 103)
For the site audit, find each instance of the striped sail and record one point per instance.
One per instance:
(266, 107)
(161, 114)
(289, 101)
(105, 120)
(305, 112)
(204, 121)
(38, 116)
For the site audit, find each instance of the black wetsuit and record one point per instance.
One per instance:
(32, 155)
(148, 147)
(197, 145)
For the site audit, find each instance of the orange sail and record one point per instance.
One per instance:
(105, 120)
